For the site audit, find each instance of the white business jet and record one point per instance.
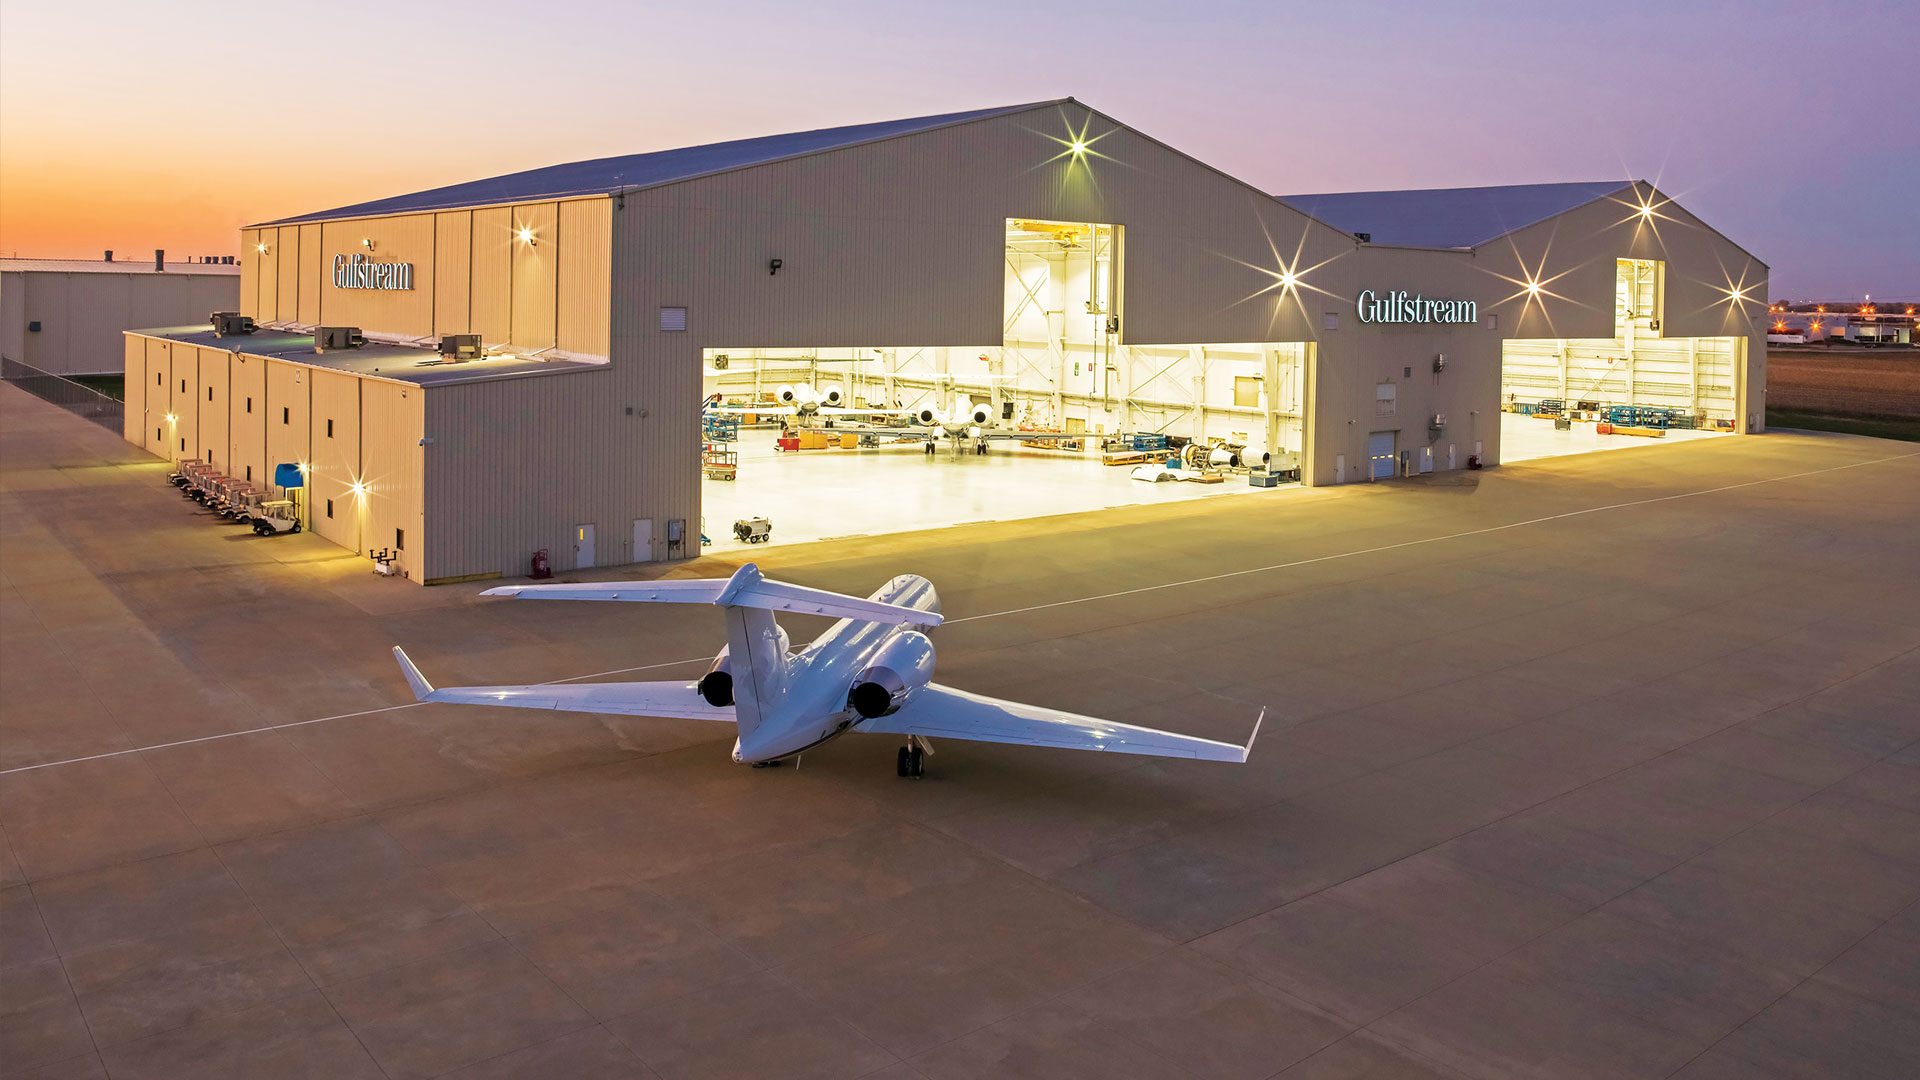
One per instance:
(870, 672)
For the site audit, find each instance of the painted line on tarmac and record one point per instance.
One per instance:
(324, 719)
(1035, 607)
(1231, 574)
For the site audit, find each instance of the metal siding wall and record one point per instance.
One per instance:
(392, 422)
(288, 387)
(290, 261)
(13, 313)
(492, 293)
(452, 272)
(134, 409)
(184, 401)
(312, 267)
(247, 430)
(215, 413)
(249, 273)
(407, 239)
(336, 459)
(49, 299)
(585, 257)
(159, 399)
(268, 279)
(535, 275)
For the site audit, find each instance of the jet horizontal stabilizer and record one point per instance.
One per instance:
(746, 588)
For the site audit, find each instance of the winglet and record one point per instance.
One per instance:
(1246, 750)
(422, 689)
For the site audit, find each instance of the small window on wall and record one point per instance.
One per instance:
(157, 377)
(286, 414)
(673, 319)
(399, 539)
(1385, 398)
(1246, 391)
(249, 473)
(209, 393)
(183, 386)
(329, 429)
(209, 457)
(1330, 321)
(249, 404)
(329, 508)
(183, 443)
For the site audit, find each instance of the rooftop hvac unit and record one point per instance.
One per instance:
(338, 337)
(1436, 424)
(230, 322)
(457, 347)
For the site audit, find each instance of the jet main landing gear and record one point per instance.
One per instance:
(911, 761)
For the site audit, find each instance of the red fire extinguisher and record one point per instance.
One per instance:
(541, 568)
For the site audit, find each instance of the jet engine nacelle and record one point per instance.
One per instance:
(980, 416)
(787, 395)
(895, 673)
(716, 686)
(831, 395)
(930, 417)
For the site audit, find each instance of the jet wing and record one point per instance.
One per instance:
(842, 410)
(676, 700)
(941, 711)
(753, 410)
(1004, 433)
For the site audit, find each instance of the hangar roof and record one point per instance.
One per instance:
(603, 176)
(1448, 217)
(401, 363)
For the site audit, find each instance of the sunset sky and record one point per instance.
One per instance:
(141, 125)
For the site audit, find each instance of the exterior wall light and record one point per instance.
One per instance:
(261, 248)
(526, 235)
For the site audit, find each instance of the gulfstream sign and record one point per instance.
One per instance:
(1394, 306)
(360, 272)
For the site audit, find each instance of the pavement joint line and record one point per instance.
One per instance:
(1035, 607)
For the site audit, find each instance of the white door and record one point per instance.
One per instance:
(583, 547)
(1339, 468)
(1426, 459)
(642, 539)
(1380, 454)
(1450, 463)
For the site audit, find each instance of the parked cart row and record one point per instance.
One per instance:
(236, 500)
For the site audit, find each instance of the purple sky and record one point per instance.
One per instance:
(1793, 128)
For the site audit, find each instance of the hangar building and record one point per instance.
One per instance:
(1043, 262)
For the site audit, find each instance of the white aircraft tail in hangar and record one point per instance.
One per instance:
(870, 672)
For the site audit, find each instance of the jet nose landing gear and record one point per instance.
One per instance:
(911, 761)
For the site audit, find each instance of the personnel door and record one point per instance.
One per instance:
(642, 539)
(583, 547)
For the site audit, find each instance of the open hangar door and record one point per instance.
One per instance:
(1575, 395)
(1054, 418)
